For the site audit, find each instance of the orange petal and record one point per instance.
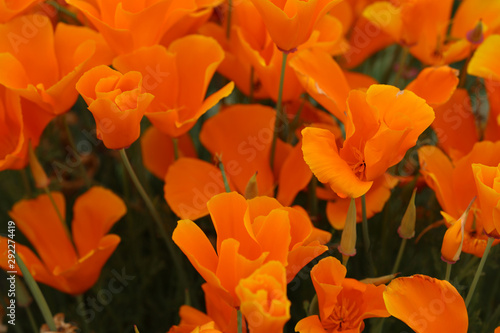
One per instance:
(426, 304)
(13, 147)
(484, 61)
(321, 154)
(49, 239)
(315, 69)
(435, 84)
(158, 150)
(488, 193)
(189, 185)
(242, 135)
(276, 223)
(455, 125)
(492, 130)
(310, 324)
(294, 176)
(94, 213)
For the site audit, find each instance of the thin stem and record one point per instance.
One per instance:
(239, 321)
(448, 272)
(156, 216)
(224, 176)
(313, 199)
(81, 167)
(251, 90)
(175, 143)
(280, 117)
(402, 64)
(479, 271)
(399, 257)
(80, 300)
(58, 212)
(229, 15)
(366, 235)
(37, 294)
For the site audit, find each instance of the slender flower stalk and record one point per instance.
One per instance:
(239, 321)
(81, 167)
(399, 257)
(156, 216)
(479, 271)
(59, 215)
(280, 116)
(366, 236)
(37, 294)
(175, 143)
(448, 272)
(224, 176)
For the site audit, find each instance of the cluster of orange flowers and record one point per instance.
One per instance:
(159, 59)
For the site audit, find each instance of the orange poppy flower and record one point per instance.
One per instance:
(59, 264)
(9, 9)
(179, 80)
(246, 240)
(488, 193)
(343, 303)
(426, 304)
(290, 23)
(192, 319)
(117, 103)
(470, 12)
(381, 125)
(454, 185)
(65, 53)
(128, 26)
(263, 299)
(421, 26)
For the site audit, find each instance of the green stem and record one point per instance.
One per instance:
(80, 300)
(224, 176)
(175, 143)
(239, 321)
(81, 167)
(229, 15)
(479, 271)
(251, 90)
(280, 117)
(448, 272)
(400, 256)
(58, 212)
(366, 235)
(62, 9)
(156, 217)
(37, 294)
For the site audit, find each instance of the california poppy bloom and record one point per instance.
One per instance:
(343, 303)
(484, 61)
(290, 23)
(117, 102)
(487, 179)
(246, 240)
(179, 80)
(454, 185)
(72, 269)
(426, 304)
(381, 125)
(65, 53)
(263, 299)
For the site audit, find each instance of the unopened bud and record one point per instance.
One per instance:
(453, 239)
(348, 240)
(252, 190)
(476, 36)
(41, 179)
(407, 228)
(379, 280)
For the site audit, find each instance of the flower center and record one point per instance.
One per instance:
(343, 317)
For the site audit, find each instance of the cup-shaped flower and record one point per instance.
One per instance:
(59, 264)
(291, 22)
(178, 78)
(43, 64)
(117, 102)
(426, 304)
(488, 192)
(263, 299)
(246, 239)
(343, 303)
(382, 124)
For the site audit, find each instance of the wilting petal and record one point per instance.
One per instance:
(189, 184)
(426, 304)
(435, 84)
(321, 154)
(103, 208)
